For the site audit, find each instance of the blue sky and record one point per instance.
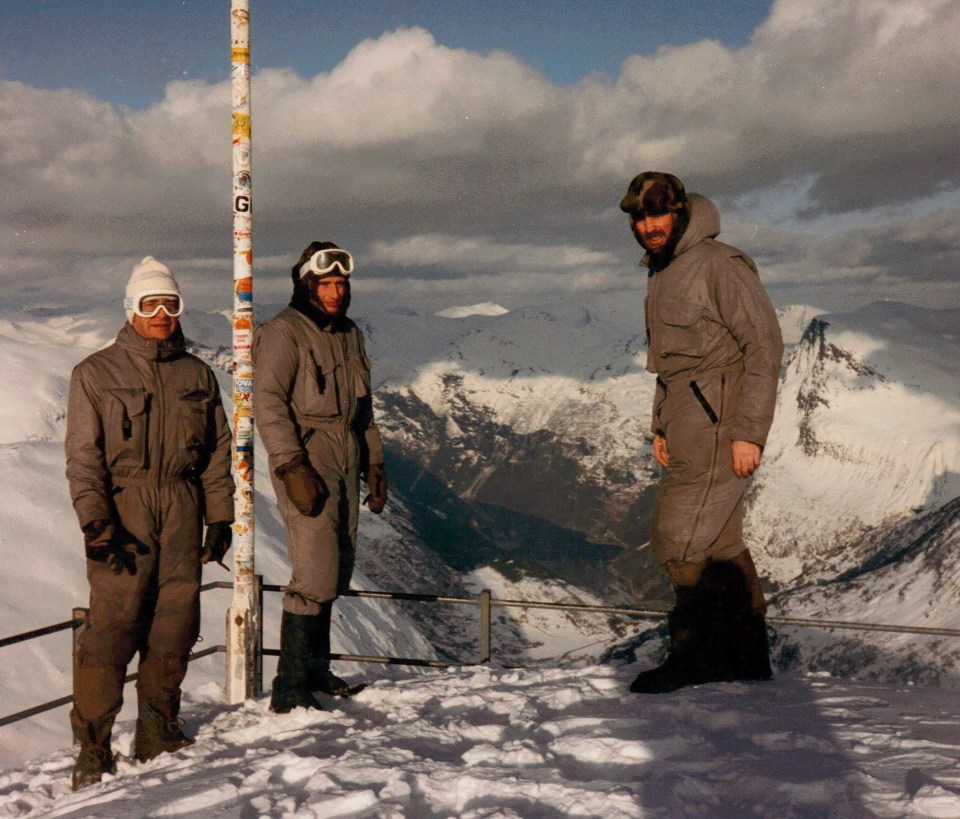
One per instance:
(126, 51)
(467, 149)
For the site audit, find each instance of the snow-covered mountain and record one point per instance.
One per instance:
(542, 413)
(518, 462)
(866, 435)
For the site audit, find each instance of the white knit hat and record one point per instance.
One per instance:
(149, 278)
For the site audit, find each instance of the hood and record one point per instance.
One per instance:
(704, 223)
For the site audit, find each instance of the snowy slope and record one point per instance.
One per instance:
(910, 575)
(569, 379)
(561, 741)
(867, 433)
(43, 576)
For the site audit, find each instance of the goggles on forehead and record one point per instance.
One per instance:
(323, 262)
(147, 305)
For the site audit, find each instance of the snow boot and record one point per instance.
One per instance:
(684, 664)
(95, 758)
(320, 677)
(738, 636)
(158, 731)
(291, 686)
(751, 652)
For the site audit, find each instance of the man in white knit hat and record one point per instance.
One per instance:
(148, 462)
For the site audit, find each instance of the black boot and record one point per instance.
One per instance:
(321, 678)
(159, 730)
(291, 686)
(95, 758)
(684, 664)
(739, 648)
(752, 654)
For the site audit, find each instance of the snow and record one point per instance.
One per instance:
(554, 741)
(486, 308)
(560, 737)
(874, 393)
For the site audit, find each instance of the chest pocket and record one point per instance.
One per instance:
(682, 332)
(319, 385)
(195, 415)
(125, 425)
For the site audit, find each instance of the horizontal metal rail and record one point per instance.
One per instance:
(844, 624)
(49, 706)
(39, 632)
(485, 602)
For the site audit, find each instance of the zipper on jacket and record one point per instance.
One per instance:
(714, 459)
(702, 399)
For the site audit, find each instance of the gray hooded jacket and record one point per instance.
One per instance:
(715, 345)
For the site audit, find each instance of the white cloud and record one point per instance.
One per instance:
(834, 115)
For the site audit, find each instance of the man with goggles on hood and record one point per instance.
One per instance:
(314, 411)
(148, 462)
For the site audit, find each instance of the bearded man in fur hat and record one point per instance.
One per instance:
(715, 346)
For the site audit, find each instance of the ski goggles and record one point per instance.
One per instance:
(148, 305)
(323, 262)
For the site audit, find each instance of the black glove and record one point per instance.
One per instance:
(106, 542)
(377, 484)
(216, 542)
(304, 486)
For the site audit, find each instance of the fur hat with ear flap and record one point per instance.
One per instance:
(149, 278)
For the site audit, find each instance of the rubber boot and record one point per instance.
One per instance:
(321, 678)
(95, 758)
(159, 730)
(291, 686)
(741, 650)
(684, 663)
(752, 657)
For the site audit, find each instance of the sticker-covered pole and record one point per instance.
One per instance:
(243, 617)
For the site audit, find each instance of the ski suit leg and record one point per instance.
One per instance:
(115, 627)
(322, 548)
(175, 605)
(698, 508)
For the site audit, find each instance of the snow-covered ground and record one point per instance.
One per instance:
(561, 741)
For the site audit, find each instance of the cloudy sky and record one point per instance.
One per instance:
(477, 151)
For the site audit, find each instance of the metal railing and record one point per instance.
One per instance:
(484, 601)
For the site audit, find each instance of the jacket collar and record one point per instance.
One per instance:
(151, 348)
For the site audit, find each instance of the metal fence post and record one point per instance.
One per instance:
(485, 626)
(258, 658)
(83, 616)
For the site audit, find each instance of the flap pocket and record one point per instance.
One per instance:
(195, 419)
(125, 418)
(132, 400)
(318, 386)
(680, 313)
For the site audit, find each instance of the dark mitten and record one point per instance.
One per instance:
(106, 542)
(217, 541)
(377, 483)
(303, 486)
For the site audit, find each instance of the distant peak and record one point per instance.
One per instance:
(486, 308)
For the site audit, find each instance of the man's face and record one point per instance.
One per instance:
(331, 292)
(653, 232)
(162, 325)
